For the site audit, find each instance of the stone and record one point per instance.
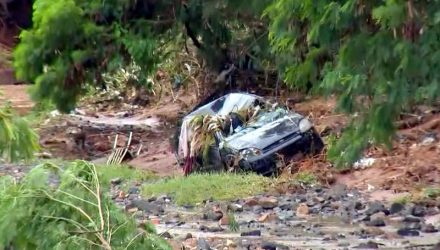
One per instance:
(121, 195)
(337, 192)
(273, 246)
(302, 211)
(188, 236)
(231, 244)
(134, 190)
(148, 207)
(251, 202)
(396, 208)
(235, 208)
(116, 181)
(410, 219)
(368, 245)
(343, 244)
(376, 223)
(268, 202)
(224, 220)
(380, 215)
(202, 244)
(166, 235)
(358, 205)
(257, 209)
(407, 232)
(418, 211)
(429, 228)
(213, 215)
(251, 233)
(376, 207)
(210, 229)
(268, 217)
(414, 225)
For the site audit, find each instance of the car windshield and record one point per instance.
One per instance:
(267, 117)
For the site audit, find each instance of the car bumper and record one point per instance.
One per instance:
(265, 164)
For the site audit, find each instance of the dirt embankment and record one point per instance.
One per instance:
(410, 166)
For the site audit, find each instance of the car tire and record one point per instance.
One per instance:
(317, 145)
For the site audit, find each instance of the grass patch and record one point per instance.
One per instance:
(306, 178)
(199, 187)
(404, 199)
(126, 173)
(432, 192)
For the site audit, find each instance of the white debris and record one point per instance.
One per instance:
(428, 141)
(54, 113)
(364, 163)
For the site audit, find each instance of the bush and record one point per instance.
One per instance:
(38, 213)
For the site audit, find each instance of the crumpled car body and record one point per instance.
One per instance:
(251, 145)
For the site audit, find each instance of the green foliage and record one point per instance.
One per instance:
(379, 57)
(199, 187)
(232, 223)
(17, 140)
(306, 178)
(73, 43)
(76, 214)
(404, 199)
(432, 192)
(126, 173)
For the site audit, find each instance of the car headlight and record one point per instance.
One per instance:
(305, 125)
(250, 152)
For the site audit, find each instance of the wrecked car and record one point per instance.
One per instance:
(243, 132)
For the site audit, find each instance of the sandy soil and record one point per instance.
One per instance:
(18, 96)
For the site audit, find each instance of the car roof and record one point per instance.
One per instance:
(226, 104)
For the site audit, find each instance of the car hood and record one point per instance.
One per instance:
(262, 136)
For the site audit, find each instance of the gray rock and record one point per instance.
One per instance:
(257, 209)
(358, 205)
(407, 232)
(268, 202)
(337, 192)
(396, 208)
(418, 211)
(376, 223)
(166, 235)
(273, 246)
(213, 216)
(429, 228)
(344, 244)
(116, 181)
(235, 207)
(134, 190)
(414, 225)
(251, 233)
(202, 244)
(211, 229)
(148, 207)
(410, 219)
(376, 207)
(368, 245)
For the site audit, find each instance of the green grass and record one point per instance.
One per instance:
(306, 178)
(199, 187)
(404, 199)
(126, 173)
(432, 192)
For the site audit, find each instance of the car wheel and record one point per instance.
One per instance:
(316, 143)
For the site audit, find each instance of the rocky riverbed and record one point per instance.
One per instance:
(312, 218)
